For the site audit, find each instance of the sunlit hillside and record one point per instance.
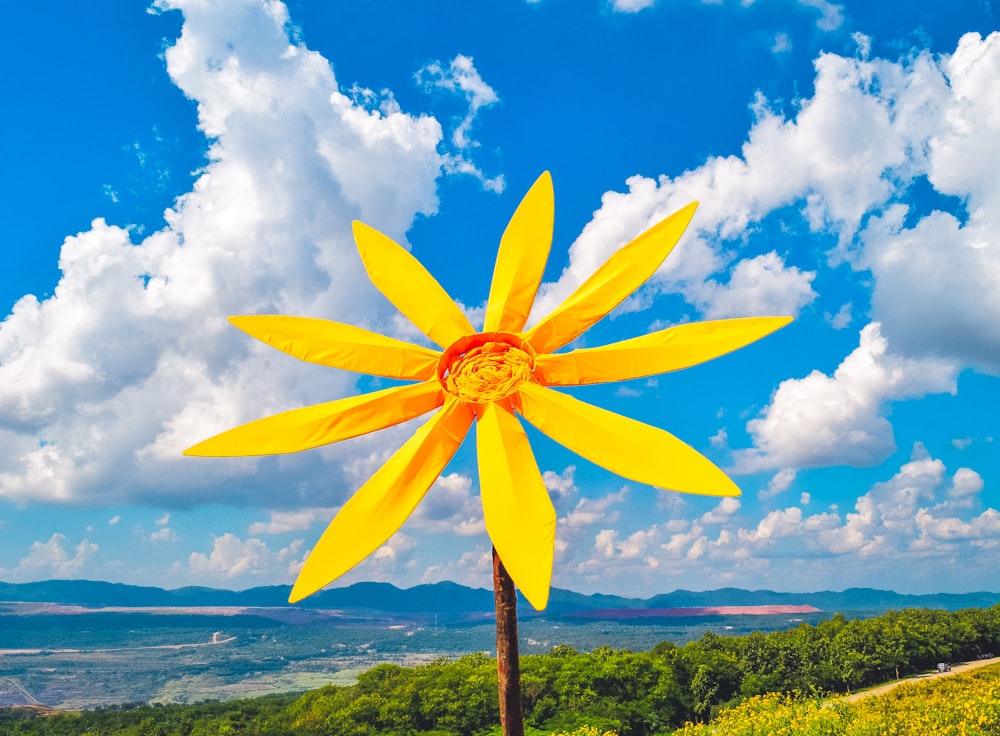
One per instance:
(966, 704)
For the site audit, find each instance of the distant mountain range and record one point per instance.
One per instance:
(447, 597)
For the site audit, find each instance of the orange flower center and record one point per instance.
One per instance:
(487, 366)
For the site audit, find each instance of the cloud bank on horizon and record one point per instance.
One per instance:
(883, 179)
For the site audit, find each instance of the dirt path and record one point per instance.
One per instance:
(956, 669)
(32, 700)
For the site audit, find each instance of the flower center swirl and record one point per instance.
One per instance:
(487, 366)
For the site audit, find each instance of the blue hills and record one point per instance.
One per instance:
(448, 597)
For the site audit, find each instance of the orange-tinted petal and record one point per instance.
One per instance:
(658, 352)
(406, 283)
(524, 248)
(624, 446)
(323, 424)
(341, 346)
(624, 272)
(382, 504)
(519, 514)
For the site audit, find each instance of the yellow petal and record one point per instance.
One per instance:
(406, 283)
(341, 346)
(624, 272)
(658, 352)
(322, 424)
(519, 515)
(524, 248)
(624, 446)
(382, 504)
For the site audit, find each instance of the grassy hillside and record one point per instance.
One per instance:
(966, 705)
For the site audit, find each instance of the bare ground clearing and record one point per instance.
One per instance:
(216, 639)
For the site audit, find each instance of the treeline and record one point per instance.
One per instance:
(635, 693)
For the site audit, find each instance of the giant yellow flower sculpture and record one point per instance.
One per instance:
(489, 377)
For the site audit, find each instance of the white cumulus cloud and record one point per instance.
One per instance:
(840, 419)
(862, 133)
(920, 518)
(57, 558)
(934, 296)
(450, 506)
(845, 159)
(164, 534)
(131, 360)
(461, 77)
(232, 558)
(292, 521)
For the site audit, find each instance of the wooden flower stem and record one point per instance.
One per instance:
(508, 665)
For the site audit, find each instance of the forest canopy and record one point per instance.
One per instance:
(633, 693)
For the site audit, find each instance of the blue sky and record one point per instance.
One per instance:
(169, 166)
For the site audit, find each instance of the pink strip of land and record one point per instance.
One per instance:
(699, 611)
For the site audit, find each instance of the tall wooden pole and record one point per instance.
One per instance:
(508, 665)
